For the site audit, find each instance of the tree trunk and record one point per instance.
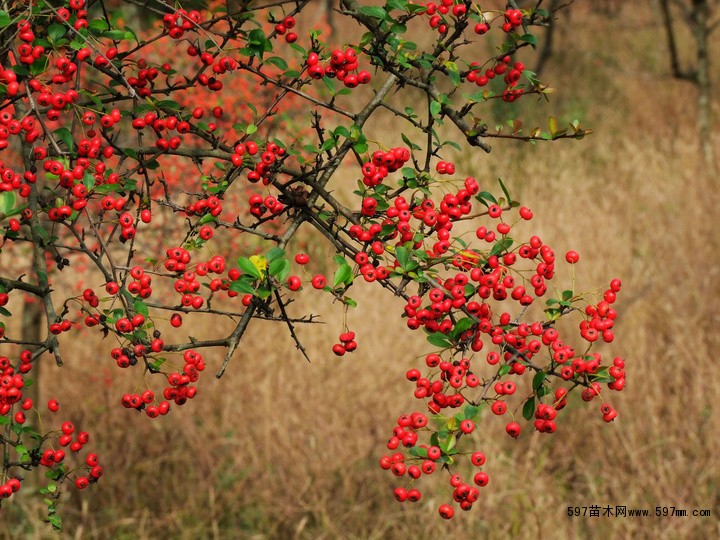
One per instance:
(700, 16)
(548, 43)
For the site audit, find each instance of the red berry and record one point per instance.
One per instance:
(446, 511)
(572, 257)
(319, 281)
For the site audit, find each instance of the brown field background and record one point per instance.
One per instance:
(280, 448)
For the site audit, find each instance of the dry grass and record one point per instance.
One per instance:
(284, 449)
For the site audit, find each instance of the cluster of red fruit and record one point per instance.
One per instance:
(262, 167)
(12, 383)
(50, 458)
(27, 128)
(383, 163)
(11, 393)
(602, 316)
(260, 205)
(347, 344)
(511, 74)
(281, 29)
(343, 65)
(436, 13)
(219, 65)
(423, 459)
(458, 314)
(180, 21)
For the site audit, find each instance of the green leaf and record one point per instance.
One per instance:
(98, 25)
(528, 38)
(274, 254)
(252, 128)
(486, 197)
(462, 325)
(505, 191)
(373, 11)
(418, 452)
(529, 409)
(438, 339)
(504, 370)
(140, 307)
(471, 411)
(248, 267)
(343, 275)
(567, 295)
(280, 268)
(435, 108)
(242, 286)
(116, 34)
(56, 31)
(501, 245)
(403, 256)
(448, 444)
(65, 136)
(7, 202)
(5, 19)
(277, 61)
(538, 380)
(349, 302)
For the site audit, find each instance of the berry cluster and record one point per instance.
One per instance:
(347, 344)
(281, 29)
(436, 12)
(383, 163)
(180, 21)
(343, 65)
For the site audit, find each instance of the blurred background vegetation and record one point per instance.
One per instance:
(280, 448)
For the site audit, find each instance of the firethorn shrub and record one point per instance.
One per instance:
(173, 168)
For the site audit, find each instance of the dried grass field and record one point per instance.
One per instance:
(282, 448)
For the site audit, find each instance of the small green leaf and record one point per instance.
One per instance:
(140, 307)
(277, 61)
(418, 452)
(528, 38)
(242, 286)
(471, 411)
(375, 12)
(486, 198)
(403, 256)
(438, 340)
(280, 268)
(7, 202)
(275, 254)
(248, 267)
(448, 444)
(538, 380)
(65, 136)
(462, 325)
(252, 128)
(343, 275)
(56, 31)
(501, 245)
(435, 108)
(504, 370)
(529, 409)
(505, 191)
(5, 19)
